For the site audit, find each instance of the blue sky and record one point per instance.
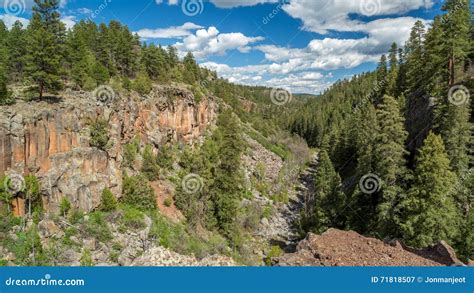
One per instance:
(300, 45)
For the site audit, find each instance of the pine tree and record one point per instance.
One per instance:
(453, 118)
(17, 50)
(430, 212)
(456, 25)
(393, 72)
(154, 61)
(435, 68)
(457, 135)
(414, 59)
(172, 56)
(3, 45)
(363, 212)
(4, 93)
(382, 77)
(467, 239)
(191, 69)
(389, 152)
(80, 56)
(328, 202)
(108, 202)
(417, 110)
(45, 39)
(103, 49)
(402, 76)
(227, 186)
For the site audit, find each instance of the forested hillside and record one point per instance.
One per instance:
(200, 166)
(193, 183)
(405, 133)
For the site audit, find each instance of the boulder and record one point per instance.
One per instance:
(47, 229)
(90, 244)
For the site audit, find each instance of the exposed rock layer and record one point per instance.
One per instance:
(51, 139)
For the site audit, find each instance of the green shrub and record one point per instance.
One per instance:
(126, 83)
(250, 216)
(27, 248)
(138, 193)
(68, 233)
(75, 215)
(177, 238)
(7, 223)
(130, 152)
(5, 94)
(115, 252)
(165, 157)
(150, 166)
(142, 84)
(168, 202)
(97, 227)
(33, 193)
(263, 188)
(100, 73)
(86, 258)
(275, 251)
(260, 171)
(132, 217)
(99, 135)
(108, 202)
(64, 206)
(281, 197)
(267, 212)
(198, 93)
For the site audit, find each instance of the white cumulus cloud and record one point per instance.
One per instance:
(211, 42)
(173, 32)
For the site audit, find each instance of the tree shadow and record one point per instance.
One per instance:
(48, 99)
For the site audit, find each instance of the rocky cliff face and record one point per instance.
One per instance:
(51, 138)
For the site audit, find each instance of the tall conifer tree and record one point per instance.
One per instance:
(45, 41)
